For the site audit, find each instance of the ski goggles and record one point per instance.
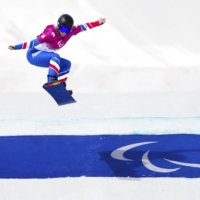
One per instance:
(65, 29)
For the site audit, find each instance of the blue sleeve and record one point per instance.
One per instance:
(27, 45)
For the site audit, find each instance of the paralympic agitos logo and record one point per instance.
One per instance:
(118, 154)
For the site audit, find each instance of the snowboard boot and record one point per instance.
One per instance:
(51, 78)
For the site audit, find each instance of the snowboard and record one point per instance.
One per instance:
(59, 93)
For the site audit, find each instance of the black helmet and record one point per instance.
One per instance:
(65, 20)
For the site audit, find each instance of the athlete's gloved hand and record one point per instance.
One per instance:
(102, 20)
(11, 47)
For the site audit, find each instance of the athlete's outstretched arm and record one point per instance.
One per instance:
(86, 26)
(25, 45)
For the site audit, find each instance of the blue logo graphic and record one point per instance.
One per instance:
(176, 155)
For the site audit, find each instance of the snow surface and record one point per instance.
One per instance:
(138, 73)
(37, 114)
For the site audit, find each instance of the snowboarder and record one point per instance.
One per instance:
(42, 50)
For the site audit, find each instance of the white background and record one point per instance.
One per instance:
(145, 45)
